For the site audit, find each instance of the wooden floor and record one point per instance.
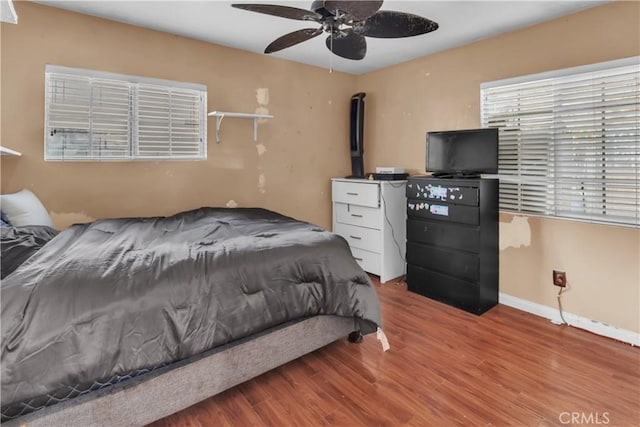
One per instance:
(445, 367)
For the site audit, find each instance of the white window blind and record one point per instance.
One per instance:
(92, 115)
(569, 142)
(168, 122)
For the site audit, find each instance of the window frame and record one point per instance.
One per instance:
(134, 83)
(551, 205)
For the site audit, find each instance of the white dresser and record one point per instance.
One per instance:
(371, 216)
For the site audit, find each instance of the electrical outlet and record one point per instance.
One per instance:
(559, 278)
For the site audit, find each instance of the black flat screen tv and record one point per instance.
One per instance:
(459, 153)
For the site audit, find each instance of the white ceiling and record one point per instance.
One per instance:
(461, 22)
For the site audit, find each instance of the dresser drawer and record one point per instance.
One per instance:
(443, 212)
(359, 237)
(358, 215)
(369, 261)
(442, 234)
(442, 287)
(463, 265)
(357, 193)
(433, 192)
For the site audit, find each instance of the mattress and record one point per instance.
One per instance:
(109, 300)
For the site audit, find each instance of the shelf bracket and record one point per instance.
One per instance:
(218, 123)
(255, 130)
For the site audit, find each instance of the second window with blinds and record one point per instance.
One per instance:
(93, 115)
(569, 142)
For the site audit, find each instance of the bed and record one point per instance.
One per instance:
(107, 318)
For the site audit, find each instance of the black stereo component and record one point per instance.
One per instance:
(390, 176)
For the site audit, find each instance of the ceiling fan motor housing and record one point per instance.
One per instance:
(318, 7)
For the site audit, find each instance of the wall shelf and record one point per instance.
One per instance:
(8, 12)
(219, 115)
(4, 151)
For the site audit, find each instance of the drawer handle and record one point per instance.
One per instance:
(356, 237)
(356, 215)
(357, 259)
(352, 194)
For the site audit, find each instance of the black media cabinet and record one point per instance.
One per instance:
(452, 241)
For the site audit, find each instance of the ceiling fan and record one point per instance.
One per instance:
(346, 22)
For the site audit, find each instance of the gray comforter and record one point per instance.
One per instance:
(115, 296)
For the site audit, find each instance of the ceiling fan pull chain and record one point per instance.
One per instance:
(331, 52)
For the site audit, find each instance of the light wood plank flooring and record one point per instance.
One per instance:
(445, 367)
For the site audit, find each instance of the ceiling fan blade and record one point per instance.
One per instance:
(347, 44)
(292, 39)
(359, 10)
(281, 11)
(388, 24)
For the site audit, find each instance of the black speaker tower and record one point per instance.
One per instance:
(356, 132)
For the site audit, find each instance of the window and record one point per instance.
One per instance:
(92, 115)
(569, 142)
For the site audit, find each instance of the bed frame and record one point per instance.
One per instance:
(162, 392)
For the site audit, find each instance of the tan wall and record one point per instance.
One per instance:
(441, 92)
(305, 142)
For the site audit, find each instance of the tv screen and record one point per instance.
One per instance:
(463, 152)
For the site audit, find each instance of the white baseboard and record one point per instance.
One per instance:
(594, 326)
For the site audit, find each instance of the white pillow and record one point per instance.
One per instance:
(24, 208)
